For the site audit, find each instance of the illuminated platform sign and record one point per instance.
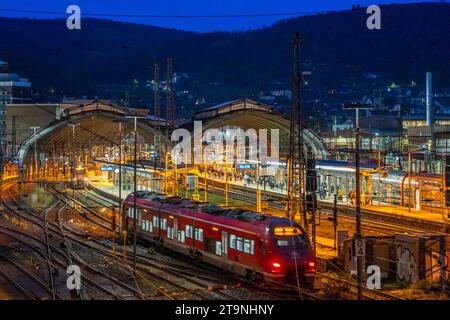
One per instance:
(106, 168)
(246, 166)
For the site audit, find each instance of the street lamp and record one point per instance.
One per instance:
(358, 236)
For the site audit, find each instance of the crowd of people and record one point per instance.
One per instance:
(248, 178)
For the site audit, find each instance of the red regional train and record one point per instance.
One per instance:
(257, 246)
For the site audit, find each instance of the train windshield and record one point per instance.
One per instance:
(80, 171)
(288, 237)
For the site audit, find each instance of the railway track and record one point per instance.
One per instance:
(27, 294)
(201, 286)
(368, 294)
(179, 283)
(49, 250)
(53, 229)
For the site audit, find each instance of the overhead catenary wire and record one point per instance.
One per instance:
(174, 16)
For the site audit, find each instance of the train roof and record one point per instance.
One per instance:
(238, 218)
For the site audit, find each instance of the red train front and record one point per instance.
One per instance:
(253, 245)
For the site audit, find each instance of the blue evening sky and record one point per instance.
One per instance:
(185, 7)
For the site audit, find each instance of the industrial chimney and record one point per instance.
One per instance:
(429, 100)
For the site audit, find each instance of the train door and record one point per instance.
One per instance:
(224, 244)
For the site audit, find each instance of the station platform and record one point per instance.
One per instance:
(439, 217)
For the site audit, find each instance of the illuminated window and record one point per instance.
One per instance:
(218, 248)
(156, 221)
(131, 213)
(147, 225)
(181, 236)
(286, 231)
(198, 234)
(164, 224)
(232, 241)
(239, 243)
(170, 232)
(282, 243)
(188, 231)
(246, 245)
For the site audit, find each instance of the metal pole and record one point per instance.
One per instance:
(206, 183)
(114, 230)
(186, 195)
(358, 205)
(258, 191)
(134, 197)
(335, 222)
(226, 184)
(20, 169)
(409, 180)
(166, 172)
(120, 175)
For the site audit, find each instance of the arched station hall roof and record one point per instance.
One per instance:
(248, 113)
(94, 122)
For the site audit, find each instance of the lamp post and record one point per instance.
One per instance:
(358, 234)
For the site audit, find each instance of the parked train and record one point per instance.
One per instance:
(259, 246)
(423, 191)
(80, 179)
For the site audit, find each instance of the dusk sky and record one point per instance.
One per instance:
(109, 8)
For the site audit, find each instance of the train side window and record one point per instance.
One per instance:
(246, 245)
(198, 234)
(218, 248)
(239, 245)
(155, 221)
(181, 236)
(232, 241)
(249, 246)
(188, 231)
(147, 225)
(170, 232)
(164, 224)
